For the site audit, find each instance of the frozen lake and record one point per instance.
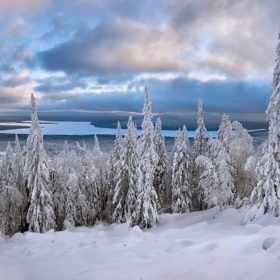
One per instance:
(78, 128)
(55, 133)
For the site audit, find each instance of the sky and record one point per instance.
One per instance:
(96, 56)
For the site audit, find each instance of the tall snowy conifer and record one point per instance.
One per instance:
(146, 207)
(199, 143)
(181, 177)
(101, 164)
(89, 196)
(18, 166)
(10, 197)
(126, 177)
(114, 159)
(240, 149)
(18, 173)
(199, 146)
(216, 179)
(266, 195)
(160, 176)
(40, 216)
(224, 133)
(8, 176)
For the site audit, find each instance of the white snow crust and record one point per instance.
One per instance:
(199, 245)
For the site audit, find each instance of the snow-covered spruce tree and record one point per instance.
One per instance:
(168, 198)
(10, 205)
(114, 159)
(89, 197)
(224, 133)
(126, 177)
(181, 177)
(240, 149)
(160, 176)
(266, 195)
(8, 176)
(18, 169)
(72, 195)
(40, 215)
(101, 178)
(59, 175)
(216, 179)
(10, 197)
(199, 146)
(145, 213)
(69, 201)
(199, 143)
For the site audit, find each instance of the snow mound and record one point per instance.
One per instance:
(268, 242)
(178, 245)
(252, 229)
(136, 234)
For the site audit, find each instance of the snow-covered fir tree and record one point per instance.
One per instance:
(18, 167)
(71, 207)
(89, 194)
(266, 195)
(59, 175)
(224, 133)
(199, 143)
(18, 170)
(10, 210)
(145, 213)
(101, 173)
(8, 176)
(181, 176)
(216, 179)
(240, 149)
(126, 179)
(114, 159)
(160, 176)
(199, 146)
(40, 216)
(10, 197)
(72, 196)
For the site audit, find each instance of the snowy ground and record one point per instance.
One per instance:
(198, 245)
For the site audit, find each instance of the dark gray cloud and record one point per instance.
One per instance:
(178, 96)
(50, 88)
(113, 48)
(59, 84)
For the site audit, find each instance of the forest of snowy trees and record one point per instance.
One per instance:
(138, 180)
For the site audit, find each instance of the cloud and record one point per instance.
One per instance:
(236, 38)
(174, 96)
(27, 7)
(49, 88)
(16, 96)
(22, 77)
(18, 28)
(118, 46)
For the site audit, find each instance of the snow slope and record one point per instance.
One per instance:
(198, 245)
